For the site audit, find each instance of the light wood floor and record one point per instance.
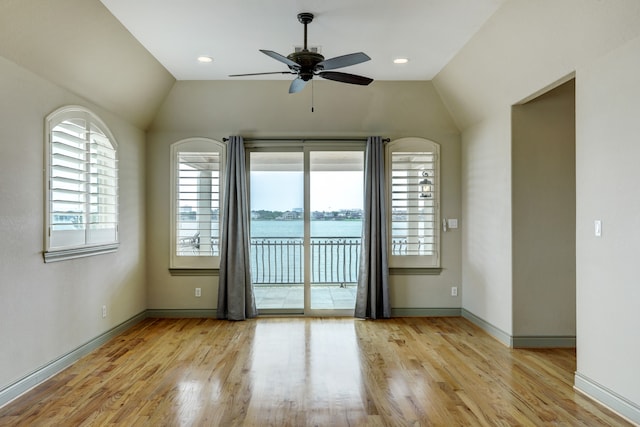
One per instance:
(310, 372)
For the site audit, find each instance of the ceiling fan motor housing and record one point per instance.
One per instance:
(307, 61)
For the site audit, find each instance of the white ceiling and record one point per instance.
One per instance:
(428, 32)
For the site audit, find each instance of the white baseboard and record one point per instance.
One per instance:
(494, 331)
(182, 313)
(522, 341)
(543, 341)
(623, 407)
(211, 313)
(425, 312)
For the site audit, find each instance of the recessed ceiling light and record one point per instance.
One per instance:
(400, 60)
(205, 59)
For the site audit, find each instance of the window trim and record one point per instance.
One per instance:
(420, 262)
(182, 264)
(62, 253)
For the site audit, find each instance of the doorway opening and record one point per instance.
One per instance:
(544, 219)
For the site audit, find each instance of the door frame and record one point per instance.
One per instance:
(306, 147)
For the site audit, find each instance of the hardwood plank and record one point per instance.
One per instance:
(308, 372)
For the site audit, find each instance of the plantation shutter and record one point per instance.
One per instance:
(68, 182)
(83, 182)
(198, 203)
(103, 185)
(414, 189)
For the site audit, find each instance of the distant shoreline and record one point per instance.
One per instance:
(312, 219)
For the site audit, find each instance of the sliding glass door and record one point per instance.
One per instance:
(306, 222)
(276, 188)
(335, 199)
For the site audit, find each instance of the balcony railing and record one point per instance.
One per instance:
(279, 260)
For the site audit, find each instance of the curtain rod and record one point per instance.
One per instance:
(306, 139)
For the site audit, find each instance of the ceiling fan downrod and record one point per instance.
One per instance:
(305, 18)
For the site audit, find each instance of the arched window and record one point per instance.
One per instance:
(413, 177)
(197, 166)
(82, 185)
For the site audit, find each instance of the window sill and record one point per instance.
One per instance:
(194, 271)
(66, 254)
(428, 271)
(392, 271)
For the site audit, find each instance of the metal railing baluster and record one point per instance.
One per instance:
(334, 260)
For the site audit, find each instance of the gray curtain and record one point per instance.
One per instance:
(372, 300)
(235, 291)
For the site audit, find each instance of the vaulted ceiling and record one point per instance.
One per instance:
(126, 55)
(426, 32)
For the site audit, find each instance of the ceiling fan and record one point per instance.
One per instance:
(307, 64)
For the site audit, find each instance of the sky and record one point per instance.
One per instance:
(283, 191)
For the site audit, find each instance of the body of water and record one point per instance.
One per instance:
(278, 259)
(295, 228)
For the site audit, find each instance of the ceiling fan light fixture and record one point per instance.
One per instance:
(205, 59)
(401, 60)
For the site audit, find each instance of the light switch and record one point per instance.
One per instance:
(597, 227)
(452, 223)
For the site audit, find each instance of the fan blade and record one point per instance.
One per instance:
(345, 78)
(281, 58)
(260, 74)
(343, 61)
(297, 85)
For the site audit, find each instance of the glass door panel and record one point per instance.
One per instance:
(335, 206)
(276, 186)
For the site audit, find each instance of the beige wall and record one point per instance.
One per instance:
(486, 208)
(524, 49)
(80, 46)
(607, 153)
(527, 46)
(218, 109)
(48, 310)
(544, 215)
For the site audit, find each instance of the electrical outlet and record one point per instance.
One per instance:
(104, 311)
(198, 292)
(454, 291)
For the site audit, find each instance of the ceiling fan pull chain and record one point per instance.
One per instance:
(312, 86)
